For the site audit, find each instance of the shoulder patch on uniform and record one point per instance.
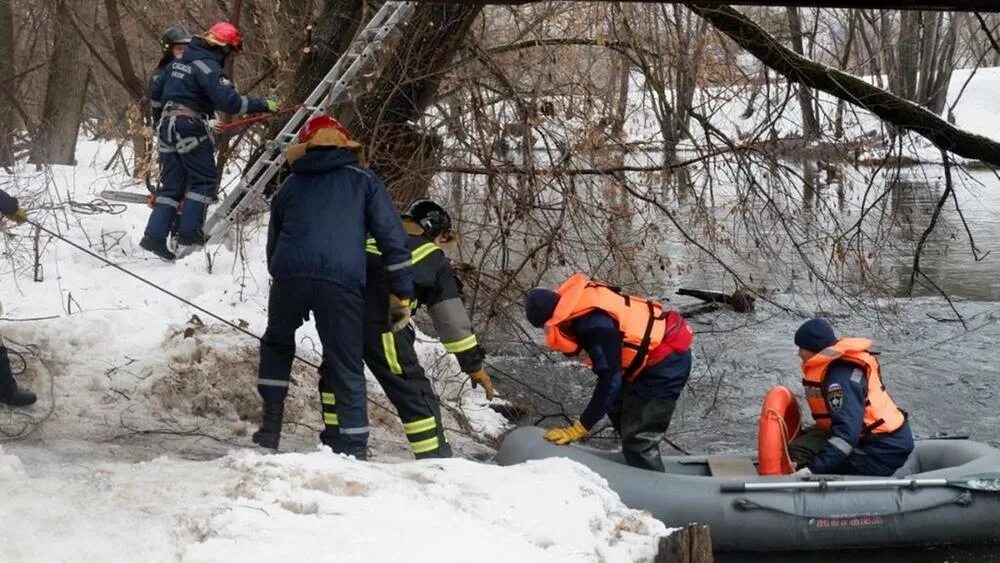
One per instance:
(834, 387)
(203, 66)
(835, 399)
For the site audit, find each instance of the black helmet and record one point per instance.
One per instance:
(431, 217)
(174, 35)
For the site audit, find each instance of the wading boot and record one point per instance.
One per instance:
(20, 398)
(270, 427)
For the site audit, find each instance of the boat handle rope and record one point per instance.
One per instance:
(744, 505)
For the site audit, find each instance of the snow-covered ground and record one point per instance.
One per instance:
(317, 506)
(134, 451)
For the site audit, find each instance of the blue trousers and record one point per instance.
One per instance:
(187, 176)
(339, 313)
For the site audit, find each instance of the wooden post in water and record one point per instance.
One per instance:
(690, 544)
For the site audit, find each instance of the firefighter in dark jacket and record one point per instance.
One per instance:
(316, 258)
(391, 356)
(639, 351)
(859, 429)
(192, 89)
(10, 393)
(173, 43)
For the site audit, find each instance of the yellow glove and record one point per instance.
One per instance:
(480, 377)
(399, 313)
(273, 105)
(567, 435)
(19, 216)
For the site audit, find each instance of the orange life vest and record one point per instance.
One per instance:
(882, 416)
(643, 323)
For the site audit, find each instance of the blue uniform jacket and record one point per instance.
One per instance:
(196, 81)
(844, 389)
(598, 334)
(319, 221)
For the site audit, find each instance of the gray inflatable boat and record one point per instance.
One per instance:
(948, 492)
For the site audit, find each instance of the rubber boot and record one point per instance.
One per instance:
(20, 398)
(157, 247)
(270, 426)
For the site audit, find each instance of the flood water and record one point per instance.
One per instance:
(945, 374)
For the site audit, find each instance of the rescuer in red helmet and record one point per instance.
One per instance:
(193, 88)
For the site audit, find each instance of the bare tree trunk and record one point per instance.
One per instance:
(903, 80)
(8, 117)
(385, 115)
(930, 28)
(66, 91)
(135, 88)
(943, 65)
(810, 125)
(845, 59)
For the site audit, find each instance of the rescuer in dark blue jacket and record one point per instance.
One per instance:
(192, 89)
(859, 429)
(173, 44)
(316, 257)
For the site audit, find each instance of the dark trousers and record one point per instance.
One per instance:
(392, 359)
(339, 320)
(7, 384)
(804, 449)
(642, 423)
(189, 177)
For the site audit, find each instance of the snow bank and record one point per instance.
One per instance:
(325, 507)
(319, 506)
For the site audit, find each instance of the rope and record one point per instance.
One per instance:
(96, 206)
(785, 439)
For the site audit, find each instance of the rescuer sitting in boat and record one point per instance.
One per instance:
(639, 351)
(859, 429)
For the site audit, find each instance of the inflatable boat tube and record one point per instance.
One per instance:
(931, 503)
(779, 424)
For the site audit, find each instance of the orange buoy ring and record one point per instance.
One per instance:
(779, 424)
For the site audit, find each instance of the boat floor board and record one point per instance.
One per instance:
(731, 466)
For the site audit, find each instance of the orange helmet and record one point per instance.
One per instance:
(223, 34)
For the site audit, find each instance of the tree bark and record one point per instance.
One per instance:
(134, 86)
(66, 90)
(845, 60)
(8, 117)
(903, 75)
(384, 117)
(810, 125)
(891, 108)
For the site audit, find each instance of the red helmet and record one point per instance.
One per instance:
(318, 123)
(225, 33)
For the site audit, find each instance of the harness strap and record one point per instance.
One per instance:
(632, 371)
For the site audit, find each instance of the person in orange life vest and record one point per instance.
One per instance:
(639, 352)
(859, 429)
